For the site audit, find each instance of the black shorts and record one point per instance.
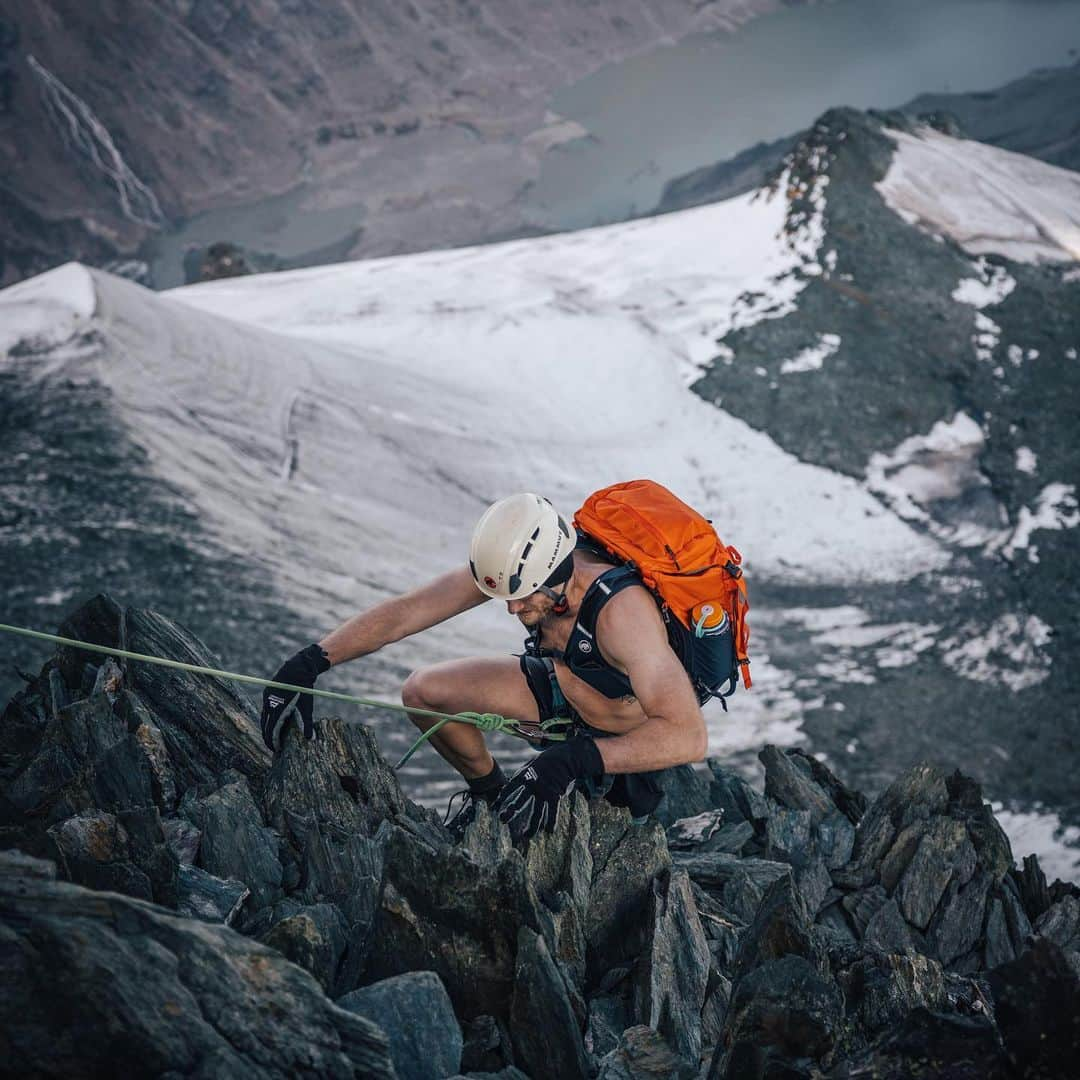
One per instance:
(639, 792)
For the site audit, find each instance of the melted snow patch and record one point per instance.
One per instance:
(811, 358)
(986, 199)
(48, 310)
(1008, 653)
(986, 337)
(941, 465)
(990, 285)
(1026, 461)
(1055, 508)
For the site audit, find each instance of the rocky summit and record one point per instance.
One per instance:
(176, 903)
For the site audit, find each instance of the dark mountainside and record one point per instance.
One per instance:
(176, 903)
(907, 359)
(1038, 115)
(201, 105)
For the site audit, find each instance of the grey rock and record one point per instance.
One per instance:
(487, 1047)
(621, 885)
(787, 836)
(95, 852)
(999, 946)
(790, 786)
(880, 990)
(689, 832)
(1061, 923)
(732, 794)
(546, 1036)
(210, 899)
(609, 1017)
(863, 905)
(415, 1012)
(643, 1054)
(781, 927)
(852, 804)
(1032, 885)
(236, 844)
(714, 1011)
(944, 853)
(183, 839)
(674, 969)
(957, 926)
(315, 938)
(686, 793)
(441, 911)
(786, 1004)
(888, 931)
(188, 998)
(835, 835)
(737, 883)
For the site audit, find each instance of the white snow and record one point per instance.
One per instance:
(987, 337)
(943, 464)
(45, 311)
(1007, 653)
(1055, 508)
(986, 199)
(1026, 461)
(812, 357)
(1037, 830)
(990, 285)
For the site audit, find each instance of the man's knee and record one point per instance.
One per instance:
(420, 690)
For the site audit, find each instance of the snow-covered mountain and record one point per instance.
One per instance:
(270, 454)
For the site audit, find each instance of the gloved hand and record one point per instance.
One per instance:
(530, 800)
(300, 670)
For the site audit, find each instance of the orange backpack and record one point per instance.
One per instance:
(694, 575)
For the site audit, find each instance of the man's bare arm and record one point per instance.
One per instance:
(402, 616)
(634, 639)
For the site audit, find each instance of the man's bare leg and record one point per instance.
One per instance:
(477, 684)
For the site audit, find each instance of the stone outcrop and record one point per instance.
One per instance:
(232, 900)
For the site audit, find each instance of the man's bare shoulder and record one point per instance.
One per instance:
(631, 612)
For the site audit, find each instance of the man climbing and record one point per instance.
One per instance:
(598, 654)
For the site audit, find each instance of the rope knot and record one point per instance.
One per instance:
(487, 721)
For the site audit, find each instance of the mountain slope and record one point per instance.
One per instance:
(334, 433)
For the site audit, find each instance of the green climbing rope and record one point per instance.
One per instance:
(555, 728)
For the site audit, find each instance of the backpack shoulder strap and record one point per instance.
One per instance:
(600, 592)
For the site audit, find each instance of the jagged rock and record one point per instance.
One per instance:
(509, 1072)
(850, 803)
(441, 911)
(1032, 884)
(202, 896)
(888, 931)
(207, 724)
(235, 843)
(182, 838)
(781, 927)
(791, 787)
(879, 991)
(643, 1054)
(609, 1017)
(184, 997)
(944, 853)
(415, 1012)
(732, 794)
(835, 835)
(957, 926)
(784, 1004)
(94, 851)
(686, 793)
(625, 860)
(486, 1047)
(152, 743)
(918, 795)
(1061, 923)
(314, 937)
(674, 969)
(930, 1044)
(737, 883)
(990, 842)
(1037, 1008)
(546, 1036)
(714, 1011)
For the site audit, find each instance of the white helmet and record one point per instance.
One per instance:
(519, 546)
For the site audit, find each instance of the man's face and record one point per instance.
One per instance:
(532, 609)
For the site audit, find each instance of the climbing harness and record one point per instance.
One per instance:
(556, 728)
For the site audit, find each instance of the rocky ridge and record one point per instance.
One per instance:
(301, 915)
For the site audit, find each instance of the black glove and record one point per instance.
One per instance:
(300, 670)
(530, 800)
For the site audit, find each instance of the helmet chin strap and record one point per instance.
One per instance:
(562, 604)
